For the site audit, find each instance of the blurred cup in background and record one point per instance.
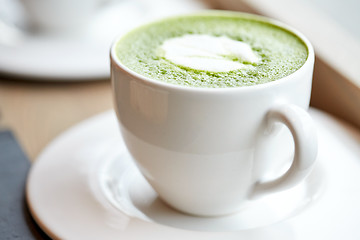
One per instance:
(59, 16)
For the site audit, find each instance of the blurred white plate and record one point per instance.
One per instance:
(81, 56)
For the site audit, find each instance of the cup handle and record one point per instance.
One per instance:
(303, 131)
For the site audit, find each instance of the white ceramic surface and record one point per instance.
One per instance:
(66, 193)
(81, 56)
(193, 143)
(125, 187)
(59, 16)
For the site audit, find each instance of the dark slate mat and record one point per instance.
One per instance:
(16, 222)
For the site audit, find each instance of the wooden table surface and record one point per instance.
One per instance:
(37, 112)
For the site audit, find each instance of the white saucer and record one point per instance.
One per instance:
(84, 56)
(74, 193)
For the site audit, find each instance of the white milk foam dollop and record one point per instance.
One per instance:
(208, 53)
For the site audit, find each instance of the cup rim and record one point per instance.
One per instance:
(156, 83)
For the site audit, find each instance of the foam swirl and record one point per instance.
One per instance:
(208, 53)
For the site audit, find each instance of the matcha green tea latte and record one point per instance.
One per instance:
(212, 50)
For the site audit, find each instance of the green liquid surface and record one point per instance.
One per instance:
(281, 52)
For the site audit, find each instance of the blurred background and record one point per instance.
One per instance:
(49, 82)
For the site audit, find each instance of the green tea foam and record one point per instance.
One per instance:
(212, 50)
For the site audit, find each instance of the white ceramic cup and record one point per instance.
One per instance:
(203, 150)
(59, 16)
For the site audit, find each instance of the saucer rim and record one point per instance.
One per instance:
(84, 125)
